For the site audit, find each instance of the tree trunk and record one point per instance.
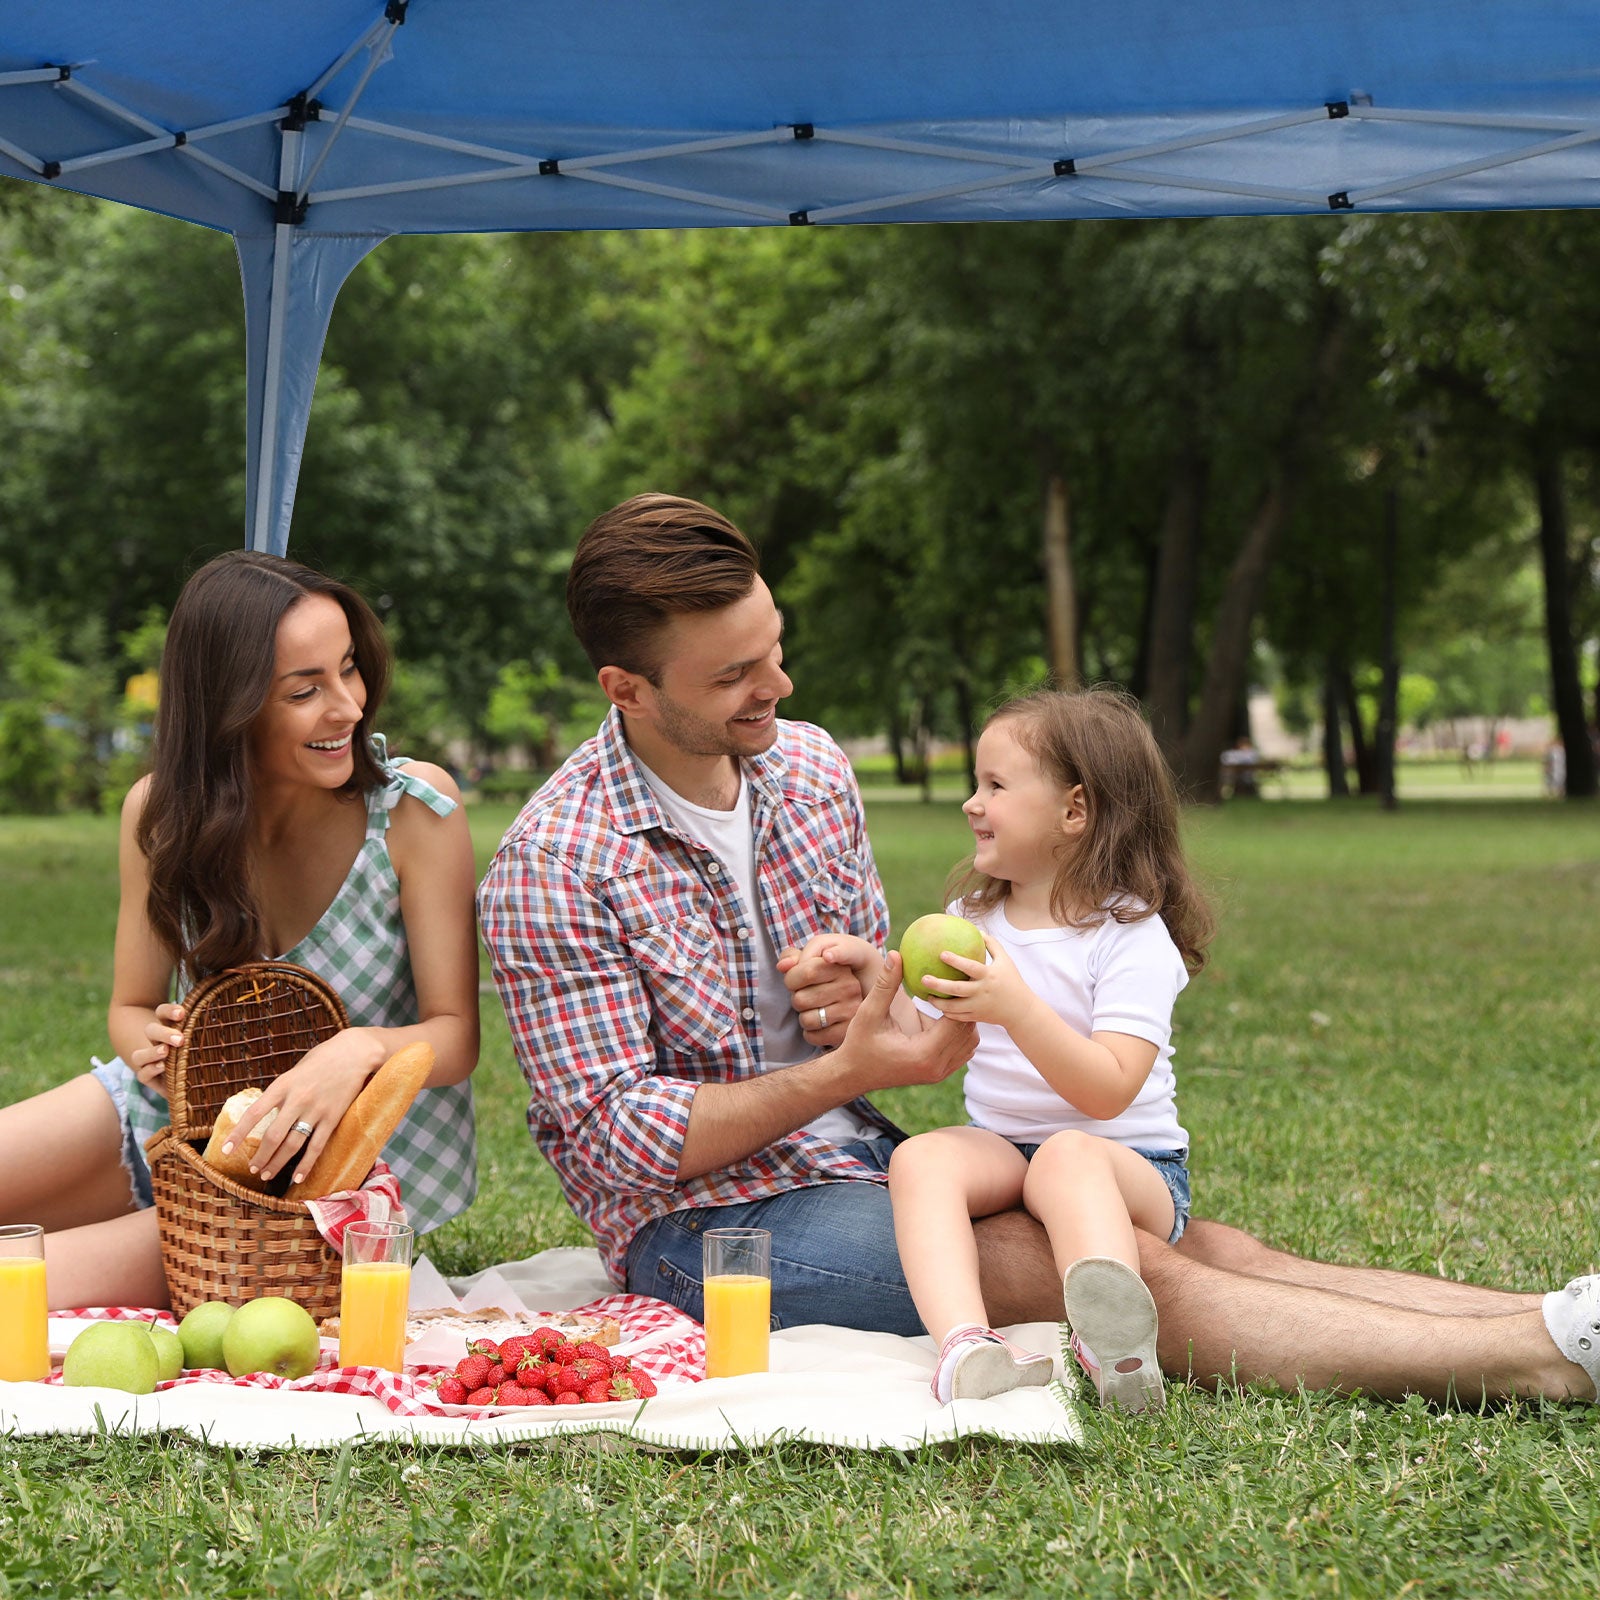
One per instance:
(1060, 590)
(1360, 749)
(1389, 689)
(1227, 670)
(1333, 738)
(1566, 686)
(1169, 642)
(1200, 769)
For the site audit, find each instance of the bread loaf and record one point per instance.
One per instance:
(236, 1164)
(364, 1129)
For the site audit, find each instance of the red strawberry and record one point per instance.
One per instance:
(483, 1347)
(452, 1391)
(621, 1363)
(473, 1371)
(566, 1381)
(595, 1352)
(481, 1397)
(587, 1368)
(537, 1397)
(531, 1371)
(511, 1352)
(643, 1383)
(567, 1398)
(563, 1352)
(542, 1338)
(496, 1375)
(596, 1393)
(512, 1394)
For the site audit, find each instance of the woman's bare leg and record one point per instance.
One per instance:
(115, 1263)
(61, 1158)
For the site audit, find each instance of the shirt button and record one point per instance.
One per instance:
(748, 1013)
(744, 933)
(713, 866)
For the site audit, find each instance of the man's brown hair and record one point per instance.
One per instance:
(644, 562)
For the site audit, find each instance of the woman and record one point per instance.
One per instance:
(273, 824)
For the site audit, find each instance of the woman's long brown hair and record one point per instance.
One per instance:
(1128, 862)
(216, 674)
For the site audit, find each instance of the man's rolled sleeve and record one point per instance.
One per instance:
(579, 1015)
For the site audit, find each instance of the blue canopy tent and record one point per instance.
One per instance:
(312, 129)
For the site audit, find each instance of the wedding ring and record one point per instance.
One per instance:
(822, 1016)
(304, 1129)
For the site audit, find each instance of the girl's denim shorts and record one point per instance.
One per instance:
(1173, 1165)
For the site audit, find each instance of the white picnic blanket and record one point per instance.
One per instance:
(827, 1385)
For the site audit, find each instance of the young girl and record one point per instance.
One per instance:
(273, 823)
(1092, 925)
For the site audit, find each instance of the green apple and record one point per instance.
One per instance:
(201, 1333)
(169, 1350)
(113, 1355)
(925, 940)
(271, 1335)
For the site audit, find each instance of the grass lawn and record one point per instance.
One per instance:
(1391, 1059)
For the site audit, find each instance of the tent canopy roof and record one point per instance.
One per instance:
(312, 129)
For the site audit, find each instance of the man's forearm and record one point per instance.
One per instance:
(729, 1122)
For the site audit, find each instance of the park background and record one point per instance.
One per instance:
(1347, 464)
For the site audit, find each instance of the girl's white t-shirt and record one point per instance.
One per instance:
(1113, 977)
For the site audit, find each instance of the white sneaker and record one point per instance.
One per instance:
(1114, 1326)
(1573, 1317)
(976, 1363)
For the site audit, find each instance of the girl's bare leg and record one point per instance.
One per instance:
(938, 1182)
(61, 1158)
(1090, 1194)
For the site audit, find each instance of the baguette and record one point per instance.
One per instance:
(236, 1164)
(364, 1129)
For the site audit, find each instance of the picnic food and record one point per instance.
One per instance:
(113, 1355)
(169, 1350)
(364, 1129)
(201, 1333)
(271, 1334)
(236, 1163)
(492, 1325)
(542, 1368)
(923, 942)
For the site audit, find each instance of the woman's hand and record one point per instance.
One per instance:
(317, 1090)
(995, 993)
(150, 1063)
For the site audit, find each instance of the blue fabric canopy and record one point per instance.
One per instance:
(313, 129)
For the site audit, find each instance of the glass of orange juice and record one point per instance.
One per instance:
(374, 1291)
(24, 1322)
(738, 1291)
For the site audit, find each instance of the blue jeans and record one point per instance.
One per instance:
(1172, 1166)
(114, 1076)
(833, 1253)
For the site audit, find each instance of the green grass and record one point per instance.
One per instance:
(1390, 1059)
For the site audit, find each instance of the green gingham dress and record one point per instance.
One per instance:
(359, 949)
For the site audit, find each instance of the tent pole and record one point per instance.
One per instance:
(277, 316)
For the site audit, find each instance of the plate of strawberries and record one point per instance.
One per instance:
(542, 1368)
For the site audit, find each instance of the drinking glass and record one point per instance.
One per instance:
(738, 1294)
(374, 1291)
(24, 1322)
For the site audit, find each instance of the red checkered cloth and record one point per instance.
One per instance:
(677, 1355)
(377, 1200)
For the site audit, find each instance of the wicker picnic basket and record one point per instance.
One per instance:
(219, 1240)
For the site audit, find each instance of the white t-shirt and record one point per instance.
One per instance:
(730, 836)
(1114, 977)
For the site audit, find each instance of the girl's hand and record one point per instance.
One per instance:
(150, 1063)
(317, 1090)
(994, 993)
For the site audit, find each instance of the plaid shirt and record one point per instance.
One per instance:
(626, 960)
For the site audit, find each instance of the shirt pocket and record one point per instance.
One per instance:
(835, 891)
(682, 966)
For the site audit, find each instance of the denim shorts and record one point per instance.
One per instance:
(115, 1076)
(1173, 1166)
(833, 1252)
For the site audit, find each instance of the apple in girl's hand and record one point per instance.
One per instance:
(924, 942)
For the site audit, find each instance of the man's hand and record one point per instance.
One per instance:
(885, 1057)
(826, 981)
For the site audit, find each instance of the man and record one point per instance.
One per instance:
(654, 918)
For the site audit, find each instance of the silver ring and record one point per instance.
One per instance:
(304, 1129)
(822, 1016)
